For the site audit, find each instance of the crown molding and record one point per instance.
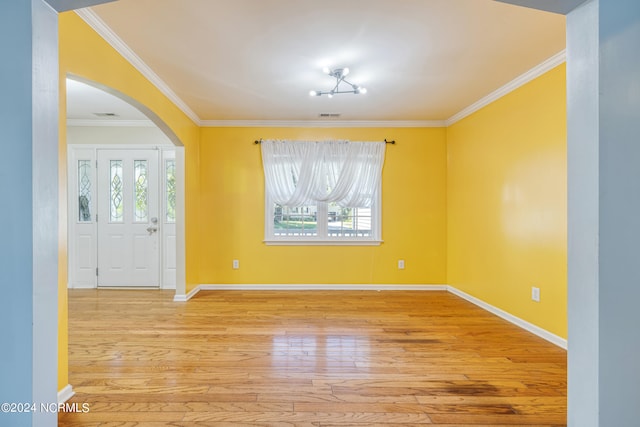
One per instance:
(325, 123)
(110, 123)
(514, 84)
(100, 27)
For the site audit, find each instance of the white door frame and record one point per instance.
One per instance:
(87, 279)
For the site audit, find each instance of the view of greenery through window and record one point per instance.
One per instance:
(340, 222)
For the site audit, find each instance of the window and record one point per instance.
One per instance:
(84, 191)
(322, 192)
(116, 195)
(170, 190)
(323, 221)
(141, 184)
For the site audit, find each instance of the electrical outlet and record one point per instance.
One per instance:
(400, 264)
(236, 264)
(535, 294)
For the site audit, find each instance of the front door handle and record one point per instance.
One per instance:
(152, 229)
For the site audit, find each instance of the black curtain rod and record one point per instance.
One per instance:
(258, 141)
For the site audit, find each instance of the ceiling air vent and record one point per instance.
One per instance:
(106, 114)
(329, 115)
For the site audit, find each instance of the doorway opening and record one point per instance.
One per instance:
(125, 193)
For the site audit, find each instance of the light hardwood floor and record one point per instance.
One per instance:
(306, 358)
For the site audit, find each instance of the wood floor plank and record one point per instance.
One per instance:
(313, 417)
(312, 358)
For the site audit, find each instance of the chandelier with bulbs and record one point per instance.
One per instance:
(339, 74)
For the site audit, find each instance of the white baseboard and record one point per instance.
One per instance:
(322, 287)
(530, 327)
(65, 394)
(188, 296)
(542, 333)
(81, 286)
(307, 287)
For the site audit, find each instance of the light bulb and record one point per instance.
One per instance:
(313, 93)
(362, 90)
(330, 95)
(326, 70)
(345, 71)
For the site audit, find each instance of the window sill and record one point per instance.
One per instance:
(327, 242)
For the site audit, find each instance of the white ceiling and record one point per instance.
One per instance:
(258, 59)
(88, 104)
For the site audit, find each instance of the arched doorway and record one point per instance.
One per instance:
(107, 127)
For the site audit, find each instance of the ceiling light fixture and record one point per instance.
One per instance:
(339, 74)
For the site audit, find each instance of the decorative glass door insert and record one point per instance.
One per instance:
(84, 191)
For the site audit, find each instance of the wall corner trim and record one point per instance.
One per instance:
(65, 394)
(530, 327)
(514, 84)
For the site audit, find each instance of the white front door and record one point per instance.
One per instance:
(128, 223)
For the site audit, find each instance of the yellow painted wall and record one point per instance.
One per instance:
(507, 202)
(232, 203)
(63, 314)
(84, 53)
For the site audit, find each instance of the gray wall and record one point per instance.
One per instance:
(16, 281)
(44, 157)
(29, 176)
(604, 213)
(619, 291)
(583, 214)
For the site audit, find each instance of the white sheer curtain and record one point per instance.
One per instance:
(299, 173)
